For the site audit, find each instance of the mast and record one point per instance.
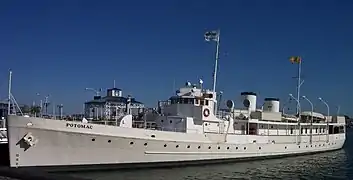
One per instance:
(216, 62)
(298, 85)
(298, 60)
(9, 93)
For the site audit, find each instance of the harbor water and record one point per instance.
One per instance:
(330, 165)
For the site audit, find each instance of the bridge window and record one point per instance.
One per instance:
(206, 102)
(197, 101)
(182, 100)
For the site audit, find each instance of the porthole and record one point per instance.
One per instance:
(170, 121)
(153, 136)
(209, 147)
(244, 148)
(109, 141)
(162, 120)
(145, 144)
(93, 139)
(311, 145)
(219, 147)
(259, 148)
(131, 143)
(285, 147)
(306, 146)
(165, 145)
(236, 148)
(298, 146)
(227, 147)
(177, 146)
(199, 147)
(188, 146)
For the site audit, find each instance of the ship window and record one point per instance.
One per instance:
(227, 147)
(131, 143)
(316, 130)
(145, 144)
(177, 146)
(206, 102)
(199, 147)
(109, 141)
(93, 139)
(244, 148)
(301, 130)
(202, 102)
(188, 146)
(196, 101)
(209, 147)
(165, 145)
(219, 147)
(291, 130)
(259, 148)
(306, 130)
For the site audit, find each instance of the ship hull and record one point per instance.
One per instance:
(62, 145)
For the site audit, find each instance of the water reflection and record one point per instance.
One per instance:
(330, 165)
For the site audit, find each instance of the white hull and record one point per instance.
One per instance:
(59, 145)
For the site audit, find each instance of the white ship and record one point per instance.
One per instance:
(190, 130)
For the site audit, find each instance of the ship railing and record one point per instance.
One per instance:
(135, 124)
(222, 114)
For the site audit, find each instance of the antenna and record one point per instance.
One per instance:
(114, 84)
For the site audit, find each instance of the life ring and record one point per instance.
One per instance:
(206, 112)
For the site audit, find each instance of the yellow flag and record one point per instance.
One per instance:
(295, 59)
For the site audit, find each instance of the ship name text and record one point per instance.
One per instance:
(81, 126)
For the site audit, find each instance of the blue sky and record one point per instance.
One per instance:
(61, 47)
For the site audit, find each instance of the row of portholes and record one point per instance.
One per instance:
(209, 147)
(177, 146)
(312, 145)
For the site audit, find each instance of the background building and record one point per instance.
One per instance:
(112, 106)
